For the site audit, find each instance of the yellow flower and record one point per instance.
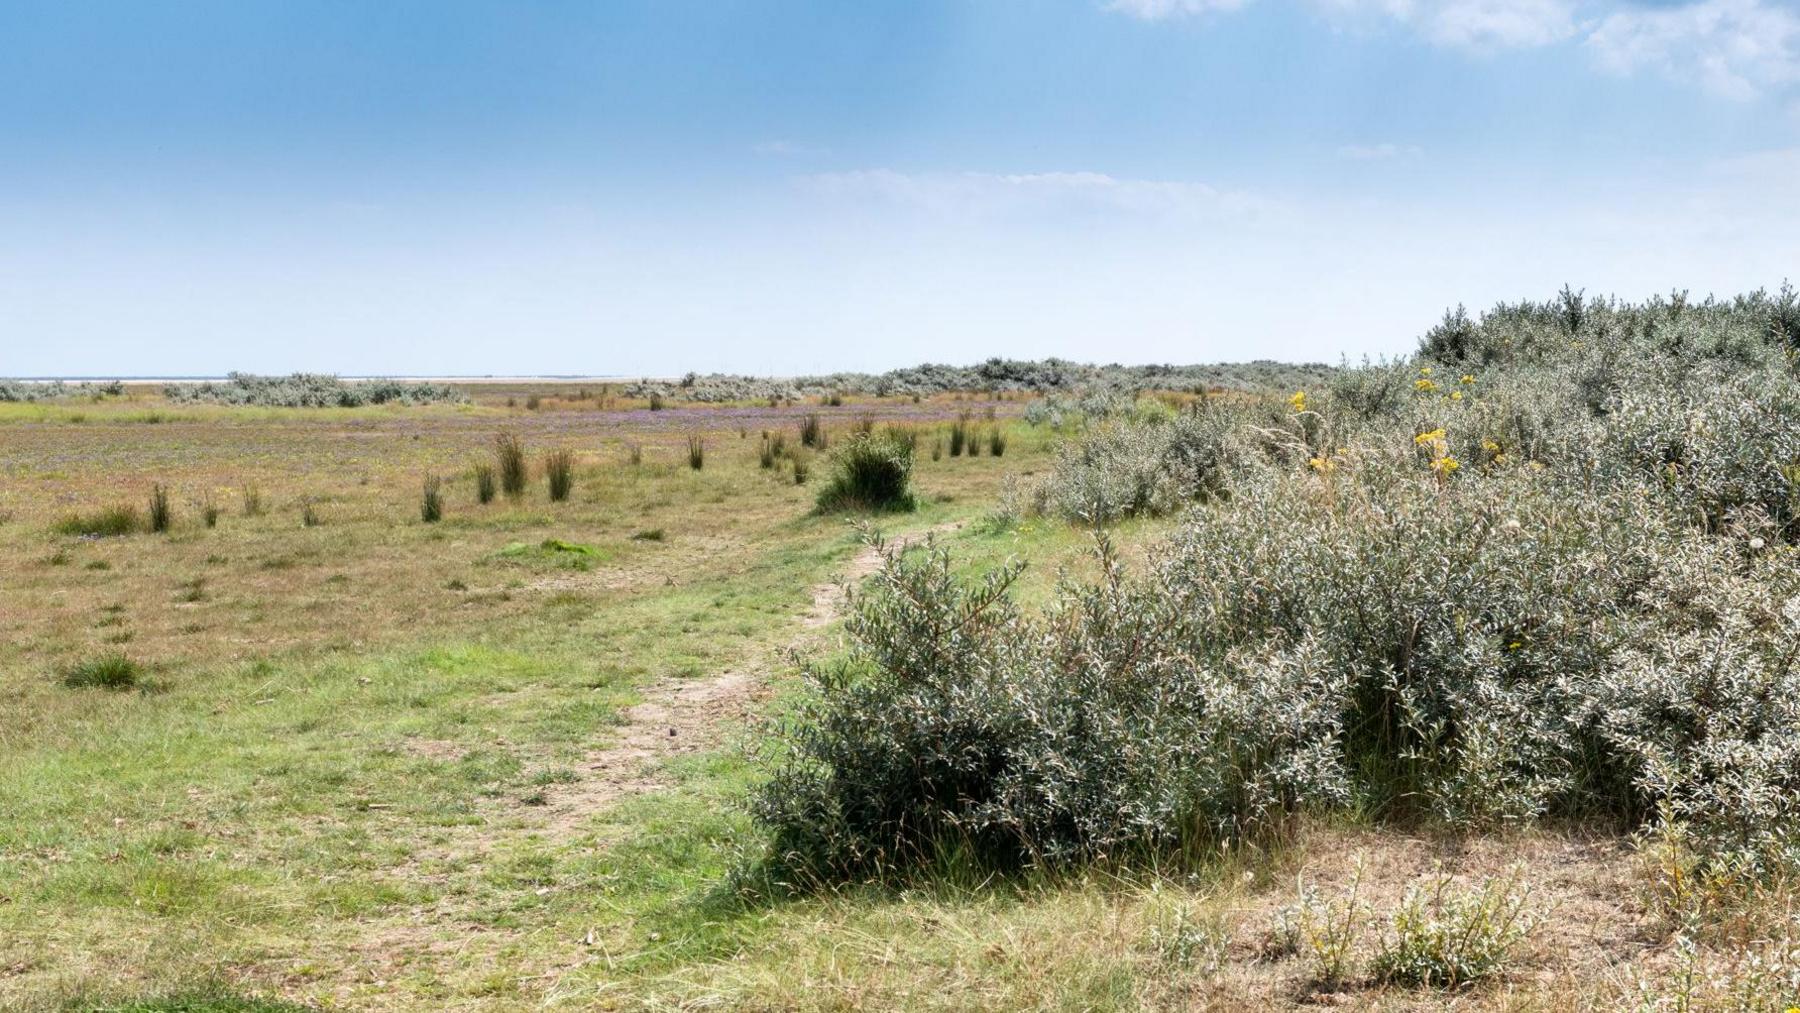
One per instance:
(1298, 401)
(1468, 378)
(1500, 458)
(1424, 370)
(1424, 385)
(1435, 436)
(1456, 395)
(1490, 446)
(1445, 465)
(1323, 465)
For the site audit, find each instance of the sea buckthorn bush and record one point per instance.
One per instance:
(1547, 568)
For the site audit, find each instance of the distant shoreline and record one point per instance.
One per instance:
(148, 380)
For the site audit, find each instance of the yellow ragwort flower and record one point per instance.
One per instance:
(1424, 385)
(1298, 401)
(1322, 465)
(1445, 465)
(1424, 370)
(1467, 378)
(1435, 436)
(1456, 395)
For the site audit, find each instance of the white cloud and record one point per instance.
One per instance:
(1378, 152)
(1471, 24)
(1739, 49)
(1735, 48)
(1156, 10)
(960, 193)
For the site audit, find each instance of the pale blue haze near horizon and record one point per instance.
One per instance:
(647, 187)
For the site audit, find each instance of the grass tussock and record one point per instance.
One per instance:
(696, 453)
(108, 523)
(869, 472)
(509, 461)
(161, 514)
(559, 474)
(109, 671)
(486, 486)
(431, 500)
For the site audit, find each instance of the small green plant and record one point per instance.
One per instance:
(485, 486)
(559, 471)
(1326, 930)
(309, 515)
(161, 513)
(696, 453)
(431, 500)
(634, 452)
(104, 524)
(870, 471)
(1191, 942)
(509, 461)
(109, 671)
(652, 535)
(1446, 937)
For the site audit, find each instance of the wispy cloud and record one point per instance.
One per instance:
(1152, 10)
(1042, 192)
(1738, 49)
(1378, 152)
(1735, 48)
(1469, 24)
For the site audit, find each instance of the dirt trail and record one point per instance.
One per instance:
(682, 716)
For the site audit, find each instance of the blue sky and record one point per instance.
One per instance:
(643, 187)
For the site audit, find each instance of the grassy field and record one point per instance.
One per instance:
(499, 761)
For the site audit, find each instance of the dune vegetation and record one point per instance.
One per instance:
(1468, 678)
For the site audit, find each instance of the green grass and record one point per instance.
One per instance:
(111, 671)
(108, 523)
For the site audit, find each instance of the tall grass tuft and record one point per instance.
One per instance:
(959, 434)
(801, 470)
(765, 456)
(431, 500)
(109, 671)
(812, 431)
(104, 524)
(161, 513)
(635, 454)
(485, 486)
(870, 471)
(209, 511)
(997, 442)
(696, 453)
(309, 515)
(509, 459)
(559, 471)
(253, 501)
(656, 402)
